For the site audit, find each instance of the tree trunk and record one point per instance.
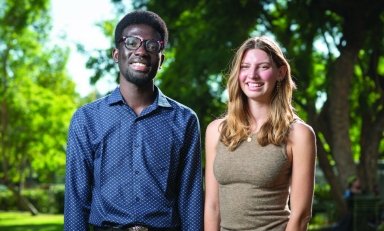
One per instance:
(371, 128)
(3, 134)
(322, 125)
(333, 181)
(24, 201)
(4, 115)
(341, 75)
(371, 136)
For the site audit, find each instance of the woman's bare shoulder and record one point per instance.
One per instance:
(300, 127)
(213, 130)
(216, 124)
(301, 134)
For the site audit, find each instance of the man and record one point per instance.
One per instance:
(134, 156)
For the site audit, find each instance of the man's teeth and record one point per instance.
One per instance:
(255, 84)
(139, 64)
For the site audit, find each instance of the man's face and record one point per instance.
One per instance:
(138, 66)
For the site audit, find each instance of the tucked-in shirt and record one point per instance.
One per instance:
(124, 170)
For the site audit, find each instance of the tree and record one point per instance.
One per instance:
(37, 96)
(340, 119)
(340, 88)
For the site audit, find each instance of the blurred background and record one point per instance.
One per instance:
(55, 56)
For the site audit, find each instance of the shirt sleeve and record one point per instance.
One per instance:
(190, 201)
(79, 177)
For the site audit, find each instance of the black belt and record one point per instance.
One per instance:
(133, 228)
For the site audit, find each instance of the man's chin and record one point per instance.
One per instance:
(138, 80)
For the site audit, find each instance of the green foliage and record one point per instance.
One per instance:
(37, 96)
(50, 200)
(7, 200)
(381, 148)
(322, 193)
(323, 208)
(320, 222)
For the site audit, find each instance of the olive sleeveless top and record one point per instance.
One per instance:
(254, 185)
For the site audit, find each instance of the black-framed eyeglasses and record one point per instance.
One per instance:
(133, 43)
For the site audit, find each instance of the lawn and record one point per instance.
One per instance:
(22, 221)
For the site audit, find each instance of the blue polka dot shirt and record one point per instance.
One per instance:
(124, 170)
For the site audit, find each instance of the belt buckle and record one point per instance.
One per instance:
(138, 228)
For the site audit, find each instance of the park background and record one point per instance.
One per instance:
(335, 48)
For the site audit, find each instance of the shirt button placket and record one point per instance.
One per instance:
(136, 166)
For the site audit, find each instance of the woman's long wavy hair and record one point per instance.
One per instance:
(236, 126)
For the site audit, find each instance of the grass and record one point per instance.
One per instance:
(23, 221)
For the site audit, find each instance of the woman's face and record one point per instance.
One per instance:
(258, 75)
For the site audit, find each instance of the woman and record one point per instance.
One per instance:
(260, 158)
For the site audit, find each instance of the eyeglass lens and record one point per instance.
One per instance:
(134, 43)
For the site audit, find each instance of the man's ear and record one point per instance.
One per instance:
(162, 57)
(115, 55)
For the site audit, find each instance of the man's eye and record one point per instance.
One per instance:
(152, 46)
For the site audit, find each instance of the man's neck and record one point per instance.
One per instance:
(137, 97)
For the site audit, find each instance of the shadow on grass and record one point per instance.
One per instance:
(45, 227)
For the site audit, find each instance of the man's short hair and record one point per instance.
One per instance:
(141, 17)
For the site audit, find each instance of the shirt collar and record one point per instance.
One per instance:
(161, 100)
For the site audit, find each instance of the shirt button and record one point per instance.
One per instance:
(137, 199)
(137, 172)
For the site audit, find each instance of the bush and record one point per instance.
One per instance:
(46, 200)
(324, 208)
(7, 200)
(323, 193)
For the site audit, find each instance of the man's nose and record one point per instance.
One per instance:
(141, 50)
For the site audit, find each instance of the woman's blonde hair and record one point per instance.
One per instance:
(236, 126)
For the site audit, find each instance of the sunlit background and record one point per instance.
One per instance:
(74, 21)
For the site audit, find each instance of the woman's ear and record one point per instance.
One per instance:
(282, 72)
